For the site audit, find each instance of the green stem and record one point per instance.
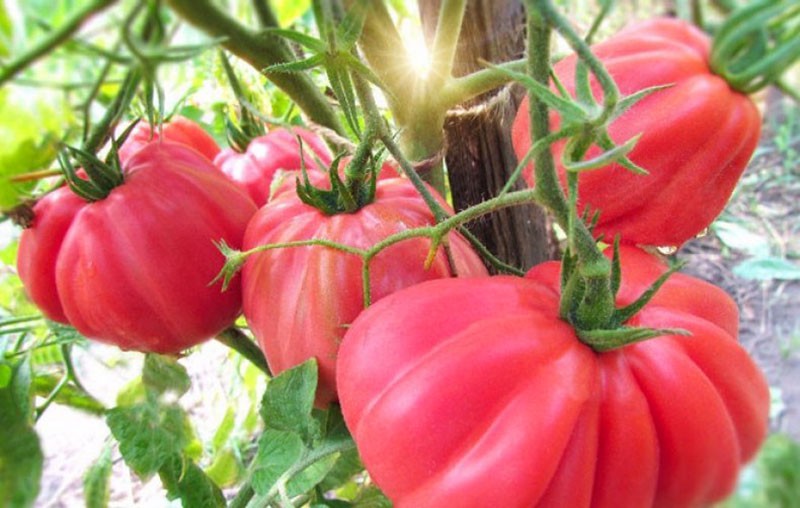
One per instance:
(596, 306)
(53, 40)
(445, 41)
(461, 89)
(260, 51)
(562, 25)
(266, 17)
(241, 343)
(99, 134)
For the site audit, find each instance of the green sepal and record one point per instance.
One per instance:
(607, 340)
(625, 313)
(103, 176)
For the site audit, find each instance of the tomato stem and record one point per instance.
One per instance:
(261, 52)
(235, 339)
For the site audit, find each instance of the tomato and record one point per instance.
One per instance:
(134, 269)
(697, 136)
(39, 245)
(474, 393)
(178, 130)
(265, 155)
(298, 301)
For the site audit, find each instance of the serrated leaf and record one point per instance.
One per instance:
(277, 452)
(768, 268)
(184, 480)
(165, 374)
(289, 400)
(96, 481)
(148, 434)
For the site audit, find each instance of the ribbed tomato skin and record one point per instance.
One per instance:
(473, 393)
(298, 301)
(277, 150)
(697, 136)
(134, 269)
(178, 129)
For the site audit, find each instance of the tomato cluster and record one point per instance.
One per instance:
(459, 388)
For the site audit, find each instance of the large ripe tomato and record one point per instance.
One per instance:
(178, 129)
(134, 269)
(265, 155)
(299, 301)
(697, 136)
(473, 393)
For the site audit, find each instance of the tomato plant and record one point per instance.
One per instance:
(299, 300)
(697, 136)
(498, 386)
(141, 284)
(343, 258)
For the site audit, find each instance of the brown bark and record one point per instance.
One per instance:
(479, 154)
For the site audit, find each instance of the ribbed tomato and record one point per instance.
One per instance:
(134, 269)
(299, 301)
(474, 393)
(697, 136)
(178, 129)
(265, 155)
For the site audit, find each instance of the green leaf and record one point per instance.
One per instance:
(95, 483)
(308, 478)
(29, 143)
(741, 238)
(164, 374)
(277, 453)
(289, 399)
(184, 480)
(306, 40)
(288, 11)
(148, 434)
(372, 497)
(20, 463)
(768, 268)
(20, 452)
(348, 464)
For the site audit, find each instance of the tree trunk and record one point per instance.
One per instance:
(479, 154)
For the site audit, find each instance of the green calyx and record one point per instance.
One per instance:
(101, 177)
(586, 305)
(356, 191)
(756, 44)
